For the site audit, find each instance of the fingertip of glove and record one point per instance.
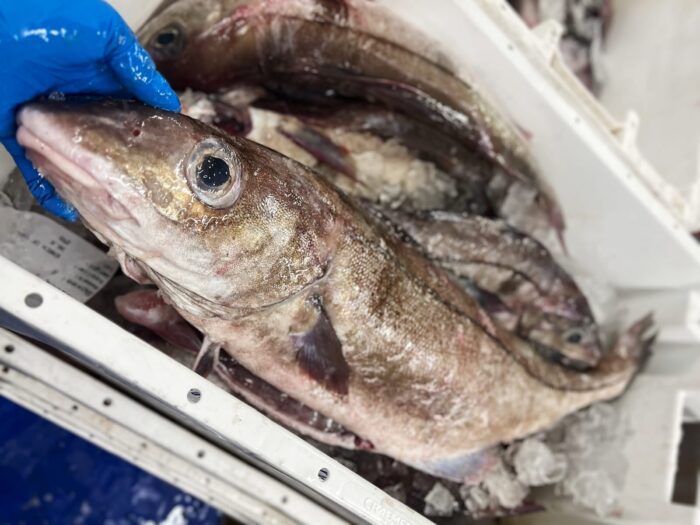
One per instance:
(172, 103)
(46, 196)
(164, 96)
(61, 209)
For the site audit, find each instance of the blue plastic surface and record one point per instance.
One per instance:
(50, 476)
(69, 47)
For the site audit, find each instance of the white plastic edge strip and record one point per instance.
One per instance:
(97, 412)
(113, 352)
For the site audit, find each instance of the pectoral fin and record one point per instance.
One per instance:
(321, 147)
(207, 357)
(320, 353)
(147, 308)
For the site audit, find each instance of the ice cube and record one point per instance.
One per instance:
(440, 501)
(536, 464)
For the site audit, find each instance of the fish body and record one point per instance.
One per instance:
(304, 289)
(316, 52)
(512, 276)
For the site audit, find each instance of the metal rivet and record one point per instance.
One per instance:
(5, 369)
(323, 474)
(106, 401)
(9, 349)
(194, 395)
(285, 499)
(33, 300)
(74, 407)
(200, 454)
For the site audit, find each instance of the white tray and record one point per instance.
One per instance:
(625, 226)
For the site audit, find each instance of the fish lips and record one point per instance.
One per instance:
(66, 165)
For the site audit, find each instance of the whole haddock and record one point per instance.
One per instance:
(306, 291)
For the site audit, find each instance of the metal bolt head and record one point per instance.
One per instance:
(33, 300)
(194, 395)
(323, 474)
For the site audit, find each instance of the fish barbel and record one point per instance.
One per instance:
(304, 290)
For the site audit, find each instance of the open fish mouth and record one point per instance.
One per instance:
(72, 173)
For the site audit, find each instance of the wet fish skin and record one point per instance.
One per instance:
(429, 381)
(306, 49)
(536, 298)
(145, 307)
(510, 274)
(417, 168)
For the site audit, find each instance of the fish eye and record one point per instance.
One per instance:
(574, 336)
(168, 42)
(214, 175)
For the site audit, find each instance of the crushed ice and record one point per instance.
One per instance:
(440, 502)
(581, 458)
(592, 441)
(536, 464)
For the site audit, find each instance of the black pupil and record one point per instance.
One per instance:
(167, 37)
(574, 338)
(212, 173)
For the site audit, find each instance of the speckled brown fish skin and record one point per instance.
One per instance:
(511, 275)
(532, 295)
(427, 379)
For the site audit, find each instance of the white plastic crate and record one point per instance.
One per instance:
(659, 78)
(624, 225)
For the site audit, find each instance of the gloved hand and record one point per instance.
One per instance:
(69, 47)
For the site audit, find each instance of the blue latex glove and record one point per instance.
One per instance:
(68, 46)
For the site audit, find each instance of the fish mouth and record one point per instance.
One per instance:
(580, 363)
(44, 143)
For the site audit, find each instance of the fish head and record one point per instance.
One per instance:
(220, 223)
(574, 343)
(202, 44)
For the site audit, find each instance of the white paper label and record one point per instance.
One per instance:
(53, 253)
